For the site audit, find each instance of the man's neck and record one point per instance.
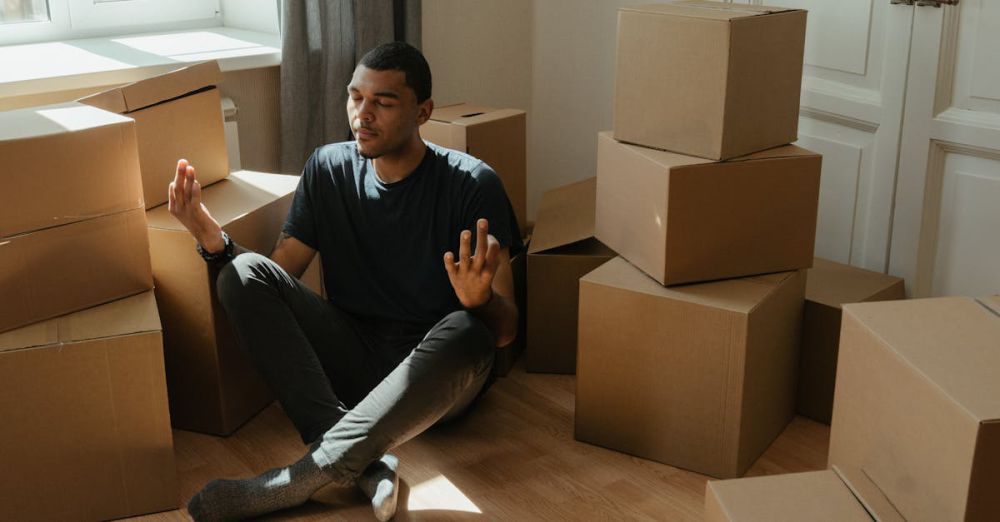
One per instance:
(395, 167)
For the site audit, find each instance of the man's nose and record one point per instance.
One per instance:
(364, 111)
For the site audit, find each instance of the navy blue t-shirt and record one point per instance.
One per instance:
(382, 245)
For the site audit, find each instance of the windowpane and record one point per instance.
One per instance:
(15, 11)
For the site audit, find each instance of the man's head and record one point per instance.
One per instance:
(389, 97)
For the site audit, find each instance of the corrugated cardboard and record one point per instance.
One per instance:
(682, 219)
(65, 163)
(496, 136)
(86, 432)
(816, 496)
(63, 269)
(708, 79)
(917, 404)
(828, 286)
(700, 377)
(177, 115)
(562, 250)
(213, 386)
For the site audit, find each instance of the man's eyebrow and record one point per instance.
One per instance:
(388, 94)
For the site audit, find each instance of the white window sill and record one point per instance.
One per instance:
(95, 62)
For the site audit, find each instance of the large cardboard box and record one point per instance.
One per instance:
(213, 386)
(917, 404)
(496, 136)
(700, 377)
(177, 115)
(828, 286)
(834, 495)
(709, 79)
(86, 432)
(63, 269)
(682, 219)
(562, 250)
(65, 163)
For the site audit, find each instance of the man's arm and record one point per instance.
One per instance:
(484, 282)
(184, 202)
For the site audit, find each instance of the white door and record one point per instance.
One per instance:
(852, 105)
(946, 223)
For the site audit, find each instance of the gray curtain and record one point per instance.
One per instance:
(321, 41)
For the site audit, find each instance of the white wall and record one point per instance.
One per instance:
(553, 58)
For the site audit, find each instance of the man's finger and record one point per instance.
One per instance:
(196, 193)
(492, 254)
(480, 257)
(464, 249)
(170, 197)
(188, 185)
(449, 264)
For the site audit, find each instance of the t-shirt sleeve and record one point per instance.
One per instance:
(489, 200)
(301, 223)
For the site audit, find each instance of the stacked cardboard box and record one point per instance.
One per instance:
(212, 385)
(917, 404)
(84, 399)
(700, 376)
(86, 428)
(830, 285)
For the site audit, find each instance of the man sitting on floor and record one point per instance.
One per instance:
(407, 336)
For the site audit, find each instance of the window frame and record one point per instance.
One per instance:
(73, 19)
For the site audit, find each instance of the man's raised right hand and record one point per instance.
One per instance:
(184, 203)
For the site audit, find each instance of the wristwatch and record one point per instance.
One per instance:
(218, 257)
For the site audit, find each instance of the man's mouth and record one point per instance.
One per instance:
(364, 133)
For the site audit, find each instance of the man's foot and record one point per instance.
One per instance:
(275, 489)
(380, 482)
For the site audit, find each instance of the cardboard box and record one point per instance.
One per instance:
(834, 495)
(828, 286)
(63, 269)
(177, 115)
(65, 163)
(917, 404)
(562, 250)
(496, 136)
(86, 433)
(701, 377)
(709, 79)
(213, 385)
(682, 219)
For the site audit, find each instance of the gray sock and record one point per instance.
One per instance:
(275, 489)
(380, 482)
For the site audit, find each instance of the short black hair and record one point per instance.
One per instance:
(401, 56)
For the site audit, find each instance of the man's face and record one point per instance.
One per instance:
(383, 111)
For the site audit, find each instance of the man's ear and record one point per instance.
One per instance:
(424, 111)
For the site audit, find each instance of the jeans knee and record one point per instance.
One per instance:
(233, 278)
(470, 334)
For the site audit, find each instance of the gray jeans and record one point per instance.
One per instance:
(363, 385)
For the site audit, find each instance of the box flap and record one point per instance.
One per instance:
(740, 295)
(813, 495)
(151, 91)
(54, 119)
(868, 494)
(232, 198)
(450, 113)
(832, 284)
(784, 151)
(126, 316)
(707, 9)
(952, 341)
(565, 215)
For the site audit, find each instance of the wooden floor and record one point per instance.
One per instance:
(513, 458)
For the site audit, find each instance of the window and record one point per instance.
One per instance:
(26, 21)
(19, 11)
